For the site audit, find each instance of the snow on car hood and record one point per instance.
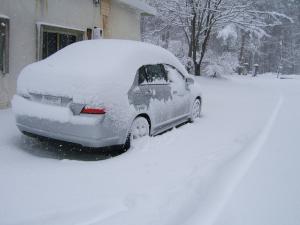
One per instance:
(93, 72)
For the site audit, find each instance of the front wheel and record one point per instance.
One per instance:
(196, 110)
(140, 128)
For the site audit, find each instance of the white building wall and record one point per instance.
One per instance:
(123, 22)
(24, 15)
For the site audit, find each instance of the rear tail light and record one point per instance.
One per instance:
(93, 110)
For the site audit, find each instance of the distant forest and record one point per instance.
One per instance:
(216, 37)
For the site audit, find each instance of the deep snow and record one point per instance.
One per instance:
(195, 174)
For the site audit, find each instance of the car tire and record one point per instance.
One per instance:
(139, 128)
(196, 110)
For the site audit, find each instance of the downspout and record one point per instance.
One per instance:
(104, 23)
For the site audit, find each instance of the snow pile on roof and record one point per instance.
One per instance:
(4, 16)
(140, 5)
(93, 72)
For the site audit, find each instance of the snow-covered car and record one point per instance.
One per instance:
(105, 93)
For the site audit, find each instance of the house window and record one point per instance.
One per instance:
(54, 38)
(4, 42)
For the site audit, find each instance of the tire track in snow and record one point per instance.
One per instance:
(221, 186)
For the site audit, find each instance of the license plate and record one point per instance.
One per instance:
(51, 100)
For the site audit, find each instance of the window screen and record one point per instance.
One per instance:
(56, 38)
(52, 42)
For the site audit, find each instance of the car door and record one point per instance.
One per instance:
(151, 92)
(180, 92)
(158, 86)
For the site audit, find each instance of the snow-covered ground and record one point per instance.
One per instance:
(238, 164)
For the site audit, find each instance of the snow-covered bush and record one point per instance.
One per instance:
(218, 66)
(228, 31)
(177, 48)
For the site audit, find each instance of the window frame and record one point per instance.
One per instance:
(41, 28)
(5, 69)
(173, 67)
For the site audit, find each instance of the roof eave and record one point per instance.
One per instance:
(142, 7)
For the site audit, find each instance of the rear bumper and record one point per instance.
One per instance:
(59, 123)
(94, 136)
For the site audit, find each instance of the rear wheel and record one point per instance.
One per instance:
(140, 128)
(196, 110)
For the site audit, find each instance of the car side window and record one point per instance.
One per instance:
(153, 74)
(174, 76)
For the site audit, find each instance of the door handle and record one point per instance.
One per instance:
(175, 92)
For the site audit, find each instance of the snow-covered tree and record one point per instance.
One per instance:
(282, 48)
(198, 20)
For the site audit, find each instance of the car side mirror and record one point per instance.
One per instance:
(189, 81)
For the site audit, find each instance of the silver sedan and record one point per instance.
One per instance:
(58, 97)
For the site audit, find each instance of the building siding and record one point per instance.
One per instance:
(24, 16)
(118, 20)
(123, 22)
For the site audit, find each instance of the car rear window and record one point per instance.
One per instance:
(152, 74)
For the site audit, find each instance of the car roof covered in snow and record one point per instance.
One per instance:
(88, 69)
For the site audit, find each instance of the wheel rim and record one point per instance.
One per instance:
(139, 128)
(196, 110)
